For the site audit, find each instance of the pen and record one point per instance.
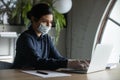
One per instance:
(42, 72)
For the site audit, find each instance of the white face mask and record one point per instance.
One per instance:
(44, 29)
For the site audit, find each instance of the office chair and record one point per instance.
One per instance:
(5, 65)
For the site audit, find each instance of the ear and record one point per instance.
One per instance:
(33, 19)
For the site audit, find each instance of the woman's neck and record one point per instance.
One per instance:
(38, 33)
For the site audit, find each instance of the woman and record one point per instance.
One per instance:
(34, 47)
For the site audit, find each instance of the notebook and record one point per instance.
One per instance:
(98, 62)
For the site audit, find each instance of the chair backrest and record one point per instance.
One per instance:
(5, 65)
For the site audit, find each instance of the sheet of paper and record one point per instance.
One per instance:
(50, 73)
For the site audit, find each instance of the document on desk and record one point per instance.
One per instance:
(45, 73)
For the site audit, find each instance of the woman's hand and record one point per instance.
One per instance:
(78, 64)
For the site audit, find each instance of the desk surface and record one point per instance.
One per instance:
(112, 74)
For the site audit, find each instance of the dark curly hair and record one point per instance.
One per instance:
(39, 10)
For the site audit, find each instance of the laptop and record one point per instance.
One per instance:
(98, 62)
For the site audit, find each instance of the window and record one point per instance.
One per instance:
(6, 7)
(111, 33)
(109, 30)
